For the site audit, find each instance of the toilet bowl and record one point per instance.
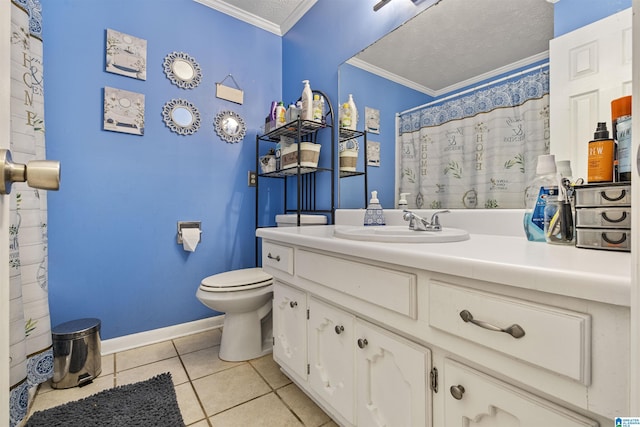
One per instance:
(245, 296)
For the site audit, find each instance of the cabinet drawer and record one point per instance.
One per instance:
(604, 238)
(470, 393)
(277, 256)
(555, 339)
(603, 195)
(393, 290)
(604, 217)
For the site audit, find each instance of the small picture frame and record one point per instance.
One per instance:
(123, 111)
(373, 153)
(126, 55)
(372, 120)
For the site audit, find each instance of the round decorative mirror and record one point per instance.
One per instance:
(230, 126)
(181, 116)
(182, 70)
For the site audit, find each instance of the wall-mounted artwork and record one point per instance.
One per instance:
(126, 55)
(372, 120)
(373, 153)
(123, 111)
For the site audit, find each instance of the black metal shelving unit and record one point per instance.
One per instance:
(305, 177)
(345, 134)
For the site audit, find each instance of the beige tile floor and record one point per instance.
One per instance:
(210, 392)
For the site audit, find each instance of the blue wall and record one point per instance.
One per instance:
(573, 14)
(112, 226)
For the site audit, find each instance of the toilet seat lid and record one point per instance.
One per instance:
(236, 280)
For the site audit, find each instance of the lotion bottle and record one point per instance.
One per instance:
(354, 113)
(307, 102)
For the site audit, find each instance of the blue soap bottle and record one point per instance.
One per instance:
(374, 214)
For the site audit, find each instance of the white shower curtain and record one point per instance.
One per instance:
(31, 356)
(478, 150)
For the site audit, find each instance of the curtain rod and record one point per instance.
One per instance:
(473, 89)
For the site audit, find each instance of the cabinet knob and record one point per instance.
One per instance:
(339, 329)
(293, 304)
(362, 342)
(457, 391)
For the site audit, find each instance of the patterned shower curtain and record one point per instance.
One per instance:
(479, 150)
(31, 355)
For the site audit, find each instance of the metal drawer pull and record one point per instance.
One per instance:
(457, 391)
(514, 330)
(604, 195)
(622, 217)
(293, 304)
(277, 257)
(339, 329)
(623, 237)
(362, 342)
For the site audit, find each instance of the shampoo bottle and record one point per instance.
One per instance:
(318, 108)
(601, 156)
(281, 113)
(307, 102)
(621, 133)
(543, 187)
(374, 214)
(345, 116)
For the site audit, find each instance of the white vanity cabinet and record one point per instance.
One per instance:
(388, 340)
(473, 398)
(362, 374)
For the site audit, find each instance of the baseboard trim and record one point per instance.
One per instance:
(127, 342)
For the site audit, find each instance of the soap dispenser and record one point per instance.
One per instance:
(402, 203)
(374, 214)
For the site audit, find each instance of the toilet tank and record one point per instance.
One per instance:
(291, 220)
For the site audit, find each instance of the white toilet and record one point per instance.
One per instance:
(245, 296)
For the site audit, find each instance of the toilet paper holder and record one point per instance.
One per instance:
(188, 224)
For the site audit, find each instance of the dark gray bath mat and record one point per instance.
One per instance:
(147, 403)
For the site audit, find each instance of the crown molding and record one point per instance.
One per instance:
(389, 76)
(446, 90)
(493, 73)
(257, 21)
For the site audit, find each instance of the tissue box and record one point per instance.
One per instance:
(309, 154)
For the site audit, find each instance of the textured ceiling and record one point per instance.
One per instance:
(451, 44)
(457, 40)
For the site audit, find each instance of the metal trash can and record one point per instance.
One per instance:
(76, 353)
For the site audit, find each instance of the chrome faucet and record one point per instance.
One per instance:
(418, 223)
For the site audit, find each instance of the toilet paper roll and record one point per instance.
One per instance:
(190, 238)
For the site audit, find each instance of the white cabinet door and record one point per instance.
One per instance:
(474, 399)
(392, 378)
(331, 351)
(290, 329)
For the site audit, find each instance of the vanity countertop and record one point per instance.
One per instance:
(596, 275)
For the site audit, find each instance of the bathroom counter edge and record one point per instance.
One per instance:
(602, 276)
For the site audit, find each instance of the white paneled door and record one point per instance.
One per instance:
(590, 67)
(5, 31)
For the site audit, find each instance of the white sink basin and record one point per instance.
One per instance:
(400, 234)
